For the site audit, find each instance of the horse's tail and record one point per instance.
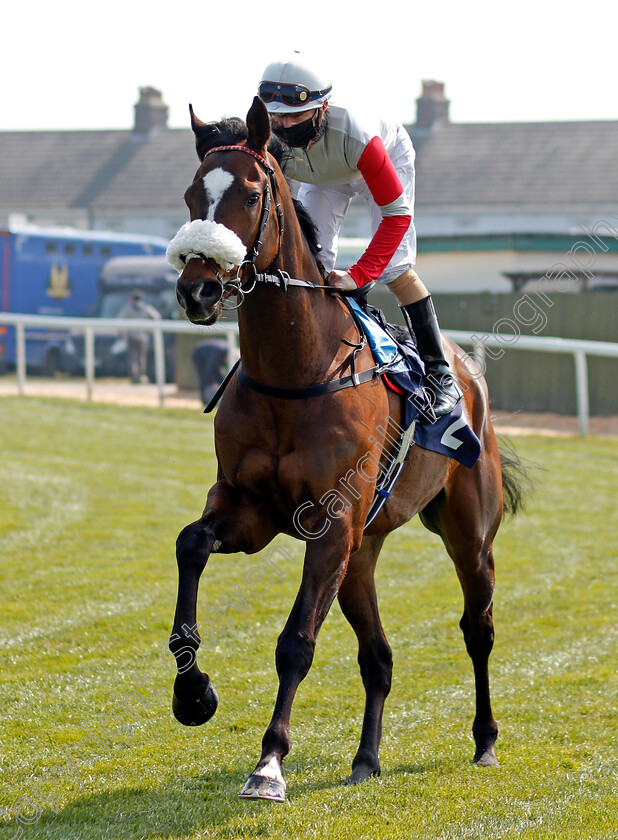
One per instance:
(516, 480)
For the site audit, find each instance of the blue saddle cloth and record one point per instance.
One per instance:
(449, 435)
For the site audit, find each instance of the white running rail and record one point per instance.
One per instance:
(580, 350)
(91, 326)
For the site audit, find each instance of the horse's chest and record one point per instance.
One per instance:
(255, 471)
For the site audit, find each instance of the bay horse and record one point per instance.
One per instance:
(283, 442)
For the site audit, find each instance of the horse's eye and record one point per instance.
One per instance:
(253, 200)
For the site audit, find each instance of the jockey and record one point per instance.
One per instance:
(335, 157)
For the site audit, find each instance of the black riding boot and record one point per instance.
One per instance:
(444, 392)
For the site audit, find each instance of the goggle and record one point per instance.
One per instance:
(293, 95)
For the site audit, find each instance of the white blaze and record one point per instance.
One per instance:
(205, 237)
(216, 182)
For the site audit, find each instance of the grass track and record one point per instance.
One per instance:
(92, 498)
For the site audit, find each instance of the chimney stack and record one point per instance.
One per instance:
(150, 112)
(431, 107)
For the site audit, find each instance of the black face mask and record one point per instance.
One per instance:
(299, 135)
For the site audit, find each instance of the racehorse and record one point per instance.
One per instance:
(288, 430)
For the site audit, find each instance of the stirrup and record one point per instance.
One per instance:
(446, 397)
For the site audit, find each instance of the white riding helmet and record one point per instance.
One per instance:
(290, 87)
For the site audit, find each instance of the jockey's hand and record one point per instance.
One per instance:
(342, 280)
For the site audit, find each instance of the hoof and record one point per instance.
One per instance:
(361, 774)
(194, 710)
(260, 787)
(486, 758)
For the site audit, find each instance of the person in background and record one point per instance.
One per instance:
(210, 361)
(138, 342)
(336, 155)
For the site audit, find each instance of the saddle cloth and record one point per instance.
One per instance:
(449, 435)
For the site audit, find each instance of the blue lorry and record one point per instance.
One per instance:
(47, 271)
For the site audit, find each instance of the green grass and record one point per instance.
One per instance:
(92, 498)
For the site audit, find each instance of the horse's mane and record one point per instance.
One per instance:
(232, 130)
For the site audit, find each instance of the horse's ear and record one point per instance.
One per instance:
(199, 129)
(196, 122)
(258, 125)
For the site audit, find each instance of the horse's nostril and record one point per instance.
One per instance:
(207, 293)
(203, 294)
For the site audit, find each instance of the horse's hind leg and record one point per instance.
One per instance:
(477, 580)
(466, 515)
(357, 597)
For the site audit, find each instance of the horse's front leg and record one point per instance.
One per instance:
(195, 699)
(229, 524)
(324, 568)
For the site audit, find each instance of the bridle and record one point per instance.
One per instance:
(279, 278)
(268, 197)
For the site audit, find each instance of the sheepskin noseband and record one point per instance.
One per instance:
(203, 238)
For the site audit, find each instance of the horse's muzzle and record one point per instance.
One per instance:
(200, 299)
(198, 295)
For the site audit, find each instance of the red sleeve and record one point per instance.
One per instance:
(380, 250)
(377, 169)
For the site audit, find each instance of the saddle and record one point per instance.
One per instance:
(392, 346)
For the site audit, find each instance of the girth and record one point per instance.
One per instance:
(309, 390)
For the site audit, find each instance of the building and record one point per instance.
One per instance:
(128, 181)
(497, 205)
(514, 200)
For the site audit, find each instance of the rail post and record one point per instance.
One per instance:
(581, 386)
(20, 340)
(479, 356)
(89, 361)
(159, 360)
(231, 349)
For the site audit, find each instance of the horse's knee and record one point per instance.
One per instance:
(194, 545)
(294, 653)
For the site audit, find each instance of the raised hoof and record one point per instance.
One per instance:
(486, 758)
(196, 710)
(361, 774)
(259, 787)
